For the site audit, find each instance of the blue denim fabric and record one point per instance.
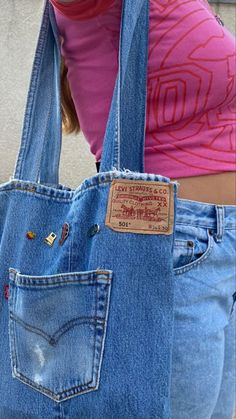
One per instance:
(203, 382)
(203, 378)
(87, 330)
(87, 327)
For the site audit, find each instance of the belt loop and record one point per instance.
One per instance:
(219, 222)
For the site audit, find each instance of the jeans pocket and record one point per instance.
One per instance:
(57, 328)
(183, 252)
(192, 246)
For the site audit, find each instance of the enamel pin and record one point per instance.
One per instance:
(64, 233)
(30, 235)
(50, 239)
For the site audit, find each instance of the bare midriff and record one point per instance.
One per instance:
(219, 188)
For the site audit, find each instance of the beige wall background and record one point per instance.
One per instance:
(19, 26)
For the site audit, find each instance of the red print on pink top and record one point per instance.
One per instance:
(191, 106)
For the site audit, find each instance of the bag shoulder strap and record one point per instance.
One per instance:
(39, 154)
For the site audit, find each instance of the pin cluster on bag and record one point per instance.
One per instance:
(50, 239)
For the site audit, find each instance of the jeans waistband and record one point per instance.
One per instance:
(202, 214)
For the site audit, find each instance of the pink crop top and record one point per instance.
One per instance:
(191, 97)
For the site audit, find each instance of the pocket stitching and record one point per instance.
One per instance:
(58, 397)
(99, 341)
(46, 391)
(180, 270)
(183, 244)
(63, 329)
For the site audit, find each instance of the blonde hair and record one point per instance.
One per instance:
(70, 121)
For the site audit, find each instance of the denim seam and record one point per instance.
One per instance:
(47, 391)
(84, 276)
(51, 338)
(32, 93)
(14, 347)
(44, 390)
(95, 347)
(100, 344)
(116, 152)
(62, 283)
(49, 113)
(219, 222)
(107, 294)
(182, 243)
(101, 180)
(70, 250)
(11, 325)
(228, 226)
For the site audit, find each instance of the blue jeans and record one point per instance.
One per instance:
(51, 368)
(203, 369)
(203, 362)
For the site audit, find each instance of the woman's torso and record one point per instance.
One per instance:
(190, 119)
(219, 188)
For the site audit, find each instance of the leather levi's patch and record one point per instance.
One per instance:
(145, 207)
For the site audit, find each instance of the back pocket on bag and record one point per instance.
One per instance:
(57, 328)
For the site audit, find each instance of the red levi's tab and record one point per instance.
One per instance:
(6, 291)
(82, 9)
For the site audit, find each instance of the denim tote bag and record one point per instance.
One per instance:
(86, 311)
